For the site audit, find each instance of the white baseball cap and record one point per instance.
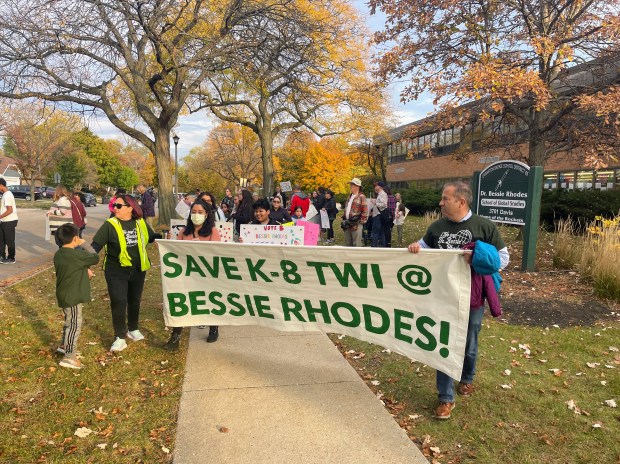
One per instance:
(356, 181)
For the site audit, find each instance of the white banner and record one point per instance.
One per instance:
(416, 305)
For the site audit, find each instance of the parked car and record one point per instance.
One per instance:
(48, 192)
(88, 199)
(23, 191)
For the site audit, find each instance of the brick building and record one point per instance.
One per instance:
(426, 158)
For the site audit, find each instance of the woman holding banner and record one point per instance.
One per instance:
(200, 227)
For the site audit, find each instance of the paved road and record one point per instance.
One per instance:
(33, 251)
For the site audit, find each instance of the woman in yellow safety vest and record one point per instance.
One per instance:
(124, 238)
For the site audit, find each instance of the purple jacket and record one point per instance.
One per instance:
(483, 287)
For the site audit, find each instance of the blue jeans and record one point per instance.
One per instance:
(376, 234)
(445, 383)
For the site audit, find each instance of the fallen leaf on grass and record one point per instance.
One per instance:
(597, 425)
(375, 382)
(525, 348)
(611, 403)
(613, 348)
(506, 387)
(592, 365)
(506, 372)
(165, 450)
(83, 432)
(102, 446)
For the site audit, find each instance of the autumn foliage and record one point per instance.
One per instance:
(313, 163)
(514, 58)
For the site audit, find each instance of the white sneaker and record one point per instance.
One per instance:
(135, 335)
(119, 344)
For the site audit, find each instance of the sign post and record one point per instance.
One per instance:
(509, 192)
(532, 215)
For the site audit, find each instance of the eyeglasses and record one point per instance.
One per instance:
(118, 205)
(276, 201)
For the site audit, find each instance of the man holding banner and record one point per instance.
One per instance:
(458, 227)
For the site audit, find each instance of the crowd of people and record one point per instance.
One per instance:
(366, 221)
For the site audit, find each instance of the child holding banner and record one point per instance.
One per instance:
(200, 227)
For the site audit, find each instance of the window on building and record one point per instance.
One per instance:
(550, 181)
(604, 180)
(567, 180)
(584, 180)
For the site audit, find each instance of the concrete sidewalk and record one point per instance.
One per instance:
(262, 396)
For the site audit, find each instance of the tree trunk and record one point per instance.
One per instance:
(32, 196)
(537, 150)
(166, 200)
(266, 145)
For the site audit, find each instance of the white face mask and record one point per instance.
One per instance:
(198, 219)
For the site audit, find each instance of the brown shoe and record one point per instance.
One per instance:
(444, 411)
(465, 389)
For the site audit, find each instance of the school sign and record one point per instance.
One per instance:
(502, 192)
(509, 192)
(415, 305)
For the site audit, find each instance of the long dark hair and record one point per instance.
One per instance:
(207, 226)
(246, 203)
(129, 200)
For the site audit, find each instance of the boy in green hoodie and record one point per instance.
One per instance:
(72, 288)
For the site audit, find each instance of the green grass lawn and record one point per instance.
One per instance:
(39, 204)
(129, 401)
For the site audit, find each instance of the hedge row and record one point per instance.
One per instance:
(581, 205)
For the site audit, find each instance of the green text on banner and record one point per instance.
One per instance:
(413, 304)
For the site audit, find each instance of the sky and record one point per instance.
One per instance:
(193, 129)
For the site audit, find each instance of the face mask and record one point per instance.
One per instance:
(198, 219)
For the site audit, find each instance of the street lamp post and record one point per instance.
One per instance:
(175, 138)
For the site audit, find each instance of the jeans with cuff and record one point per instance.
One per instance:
(445, 383)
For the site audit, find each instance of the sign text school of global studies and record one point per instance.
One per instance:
(503, 192)
(415, 305)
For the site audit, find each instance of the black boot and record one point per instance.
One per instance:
(213, 334)
(173, 343)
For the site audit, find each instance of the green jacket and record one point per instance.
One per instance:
(72, 282)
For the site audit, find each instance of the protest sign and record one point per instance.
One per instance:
(324, 220)
(286, 186)
(311, 212)
(416, 305)
(311, 232)
(176, 226)
(226, 231)
(273, 235)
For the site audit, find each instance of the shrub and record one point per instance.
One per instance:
(580, 205)
(420, 202)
